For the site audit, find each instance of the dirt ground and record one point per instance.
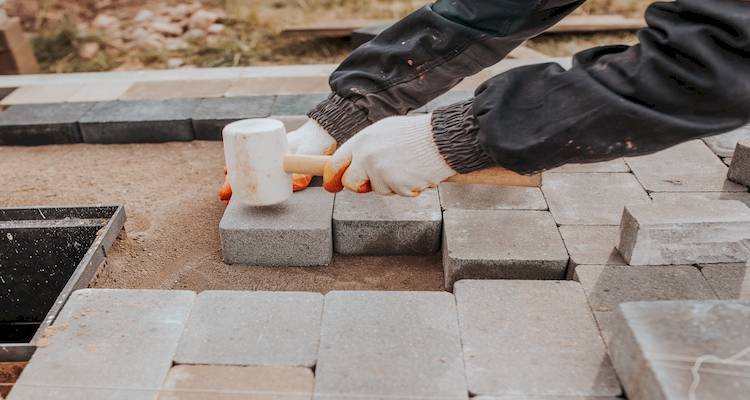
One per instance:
(172, 241)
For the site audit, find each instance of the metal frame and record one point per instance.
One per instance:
(111, 217)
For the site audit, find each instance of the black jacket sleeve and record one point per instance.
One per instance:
(423, 55)
(688, 77)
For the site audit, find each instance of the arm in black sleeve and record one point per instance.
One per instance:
(425, 54)
(688, 77)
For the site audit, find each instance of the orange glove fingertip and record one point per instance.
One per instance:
(300, 182)
(332, 177)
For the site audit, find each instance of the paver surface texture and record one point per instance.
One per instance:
(381, 225)
(674, 350)
(616, 165)
(390, 345)
(591, 198)
(729, 281)
(488, 197)
(531, 338)
(608, 286)
(687, 167)
(714, 231)
(169, 192)
(228, 382)
(252, 328)
(121, 341)
(739, 168)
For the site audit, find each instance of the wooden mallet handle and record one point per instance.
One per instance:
(314, 165)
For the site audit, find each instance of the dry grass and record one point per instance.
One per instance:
(252, 34)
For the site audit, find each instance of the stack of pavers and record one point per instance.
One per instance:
(667, 226)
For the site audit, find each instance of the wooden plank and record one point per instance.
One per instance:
(570, 24)
(21, 53)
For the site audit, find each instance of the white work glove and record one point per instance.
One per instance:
(311, 139)
(394, 155)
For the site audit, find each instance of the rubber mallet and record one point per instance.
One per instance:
(260, 168)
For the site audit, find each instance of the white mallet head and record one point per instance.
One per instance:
(254, 151)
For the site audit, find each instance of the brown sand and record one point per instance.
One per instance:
(172, 241)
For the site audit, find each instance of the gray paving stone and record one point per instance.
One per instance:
(531, 338)
(500, 244)
(685, 233)
(449, 98)
(729, 281)
(294, 233)
(739, 168)
(291, 122)
(687, 167)
(41, 94)
(296, 104)
(109, 91)
(724, 144)
(616, 165)
(143, 121)
(727, 161)
(39, 124)
(591, 245)
(173, 89)
(371, 224)
(213, 114)
(107, 344)
(682, 197)
(608, 286)
(591, 198)
(252, 328)
(489, 197)
(545, 398)
(230, 382)
(390, 345)
(657, 345)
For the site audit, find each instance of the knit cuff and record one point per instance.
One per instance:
(455, 129)
(340, 117)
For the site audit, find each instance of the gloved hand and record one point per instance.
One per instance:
(311, 139)
(394, 155)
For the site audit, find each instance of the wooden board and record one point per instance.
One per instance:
(570, 24)
(16, 54)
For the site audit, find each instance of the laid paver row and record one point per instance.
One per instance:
(141, 121)
(372, 344)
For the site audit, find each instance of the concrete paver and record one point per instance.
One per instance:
(100, 92)
(531, 338)
(252, 328)
(686, 233)
(729, 281)
(687, 167)
(121, 341)
(294, 233)
(288, 85)
(501, 244)
(660, 347)
(449, 98)
(230, 382)
(739, 168)
(683, 197)
(724, 144)
(591, 245)
(616, 165)
(296, 104)
(395, 345)
(490, 197)
(371, 224)
(608, 286)
(591, 198)
(291, 122)
(41, 94)
(213, 114)
(144, 121)
(40, 124)
(176, 89)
